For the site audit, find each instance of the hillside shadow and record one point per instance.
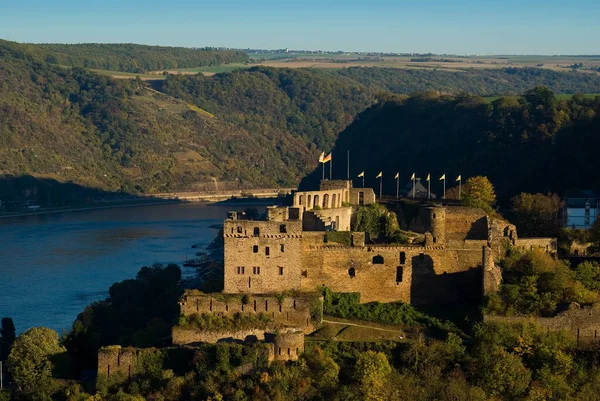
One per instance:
(25, 193)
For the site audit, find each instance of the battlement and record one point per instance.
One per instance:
(283, 311)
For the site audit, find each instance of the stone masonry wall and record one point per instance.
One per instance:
(583, 324)
(292, 311)
(262, 261)
(187, 336)
(417, 275)
(546, 244)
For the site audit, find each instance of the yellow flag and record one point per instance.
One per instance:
(322, 157)
(397, 175)
(459, 178)
(379, 175)
(362, 174)
(428, 177)
(413, 176)
(443, 177)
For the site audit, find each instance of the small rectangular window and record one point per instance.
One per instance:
(267, 251)
(240, 270)
(281, 270)
(282, 248)
(255, 248)
(256, 270)
(282, 229)
(239, 229)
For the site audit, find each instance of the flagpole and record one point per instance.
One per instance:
(331, 166)
(444, 188)
(363, 179)
(429, 188)
(323, 171)
(380, 185)
(414, 178)
(397, 184)
(459, 182)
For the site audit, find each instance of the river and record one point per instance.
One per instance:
(52, 266)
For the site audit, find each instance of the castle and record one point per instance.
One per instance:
(290, 250)
(274, 269)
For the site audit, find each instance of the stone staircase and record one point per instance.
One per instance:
(314, 220)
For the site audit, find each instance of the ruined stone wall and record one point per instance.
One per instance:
(417, 275)
(337, 219)
(368, 196)
(291, 311)
(263, 263)
(115, 359)
(287, 345)
(466, 223)
(328, 185)
(277, 213)
(583, 324)
(190, 336)
(546, 244)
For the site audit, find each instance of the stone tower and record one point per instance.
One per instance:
(436, 217)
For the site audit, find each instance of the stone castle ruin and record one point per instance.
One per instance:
(274, 269)
(288, 251)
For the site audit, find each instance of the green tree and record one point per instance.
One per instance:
(30, 362)
(479, 192)
(536, 215)
(7, 334)
(372, 372)
(501, 373)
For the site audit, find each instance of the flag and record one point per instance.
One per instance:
(397, 175)
(428, 177)
(459, 178)
(379, 175)
(327, 158)
(413, 176)
(362, 174)
(322, 157)
(443, 177)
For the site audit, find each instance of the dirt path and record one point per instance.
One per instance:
(362, 325)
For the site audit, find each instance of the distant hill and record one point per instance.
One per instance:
(482, 82)
(534, 143)
(126, 57)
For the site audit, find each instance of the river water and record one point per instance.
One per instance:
(52, 266)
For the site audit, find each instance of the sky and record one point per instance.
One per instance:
(438, 26)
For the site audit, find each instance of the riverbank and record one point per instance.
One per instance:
(68, 209)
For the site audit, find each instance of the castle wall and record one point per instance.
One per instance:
(288, 312)
(465, 223)
(415, 275)
(188, 336)
(328, 185)
(277, 213)
(546, 244)
(368, 196)
(582, 324)
(266, 262)
(287, 345)
(115, 359)
(337, 219)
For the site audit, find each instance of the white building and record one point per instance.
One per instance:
(581, 208)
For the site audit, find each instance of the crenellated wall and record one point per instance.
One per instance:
(286, 311)
(546, 244)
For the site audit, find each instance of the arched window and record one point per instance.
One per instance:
(333, 199)
(256, 231)
(316, 201)
(378, 260)
(300, 199)
(308, 204)
(325, 201)
(352, 272)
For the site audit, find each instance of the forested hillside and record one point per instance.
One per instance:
(125, 57)
(311, 104)
(533, 143)
(73, 125)
(482, 82)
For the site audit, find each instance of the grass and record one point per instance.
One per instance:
(216, 69)
(121, 74)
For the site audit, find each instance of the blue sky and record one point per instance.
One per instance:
(457, 27)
